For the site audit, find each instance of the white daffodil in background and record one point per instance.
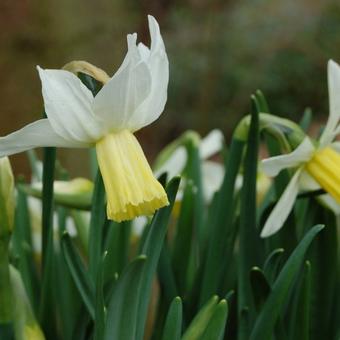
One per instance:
(134, 97)
(317, 164)
(212, 172)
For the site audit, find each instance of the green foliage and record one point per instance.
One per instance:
(197, 271)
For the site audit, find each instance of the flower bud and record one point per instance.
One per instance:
(7, 197)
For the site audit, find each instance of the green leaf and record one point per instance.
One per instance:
(166, 275)
(122, 311)
(69, 303)
(272, 264)
(117, 247)
(261, 102)
(266, 320)
(248, 235)
(306, 119)
(80, 276)
(324, 257)
(98, 217)
(194, 174)
(222, 228)
(6, 331)
(46, 310)
(99, 324)
(6, 294)
(152, 248)
(216, 327)
(260, 287)
(92, 84)
(300, 313)
(201, 320)
(173, 324)
(182, 244)
(22, 244)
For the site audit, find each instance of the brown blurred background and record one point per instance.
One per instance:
(220, 52)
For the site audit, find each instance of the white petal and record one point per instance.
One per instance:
(334, 103)
(308, 183)
(175, 164)
(336, 146)
(138, 225)
(211, 144)
(37, 134)
(68, 106)
(212, 177)
(283, 207)
(303, 153)
(158, 65)
(143, 51)
(120, 97)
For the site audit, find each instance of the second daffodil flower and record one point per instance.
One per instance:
(317, 163)
(134, 97)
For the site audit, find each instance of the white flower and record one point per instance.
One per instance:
(134, 97)
(317, 166)
(212, 172)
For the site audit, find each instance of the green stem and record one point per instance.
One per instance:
(288, 133)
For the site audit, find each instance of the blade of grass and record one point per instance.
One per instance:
(117, 247)
(98, 217)
(222, 232)
(166, 274)
(152, 248)
(122, 312)
(261, 102)
(216, 326)
(306, 119)
(22, 244)
(173, 324)
(272, 264)
(324, 259)
(47, 298)
(81, 278)
(99, 324)
(248, 236)
(270, 312)
(201, 320)
(260, 287)
(183, 240)
(300, 316)
(69, 301)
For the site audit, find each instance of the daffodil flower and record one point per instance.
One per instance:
(134, 97)
(317, 163)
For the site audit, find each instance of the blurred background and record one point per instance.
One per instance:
(220, 52)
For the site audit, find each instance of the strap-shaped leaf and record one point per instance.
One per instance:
(260, 287)
(271, 310)
(216, 327)
(199, 324)
(152, 249)
(46, 311)
(248, 235)
(80, 275)
(222, 229)
(96, 225)
(272, 264)
(173, 324)
(122, 310)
